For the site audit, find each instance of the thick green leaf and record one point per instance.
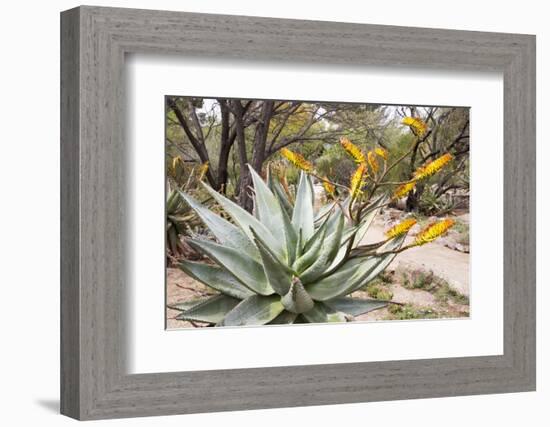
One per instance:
(273, 215)
(278, 276)
(246, 221)
(364, 250)
(371, 275)
(285, 318)
(267, 206)
(330, 248)
(291, 239)
(173, 239)
(367, 218)
(299, 246)
(353, 274)
(225, 232)
(323, 228)
(364, 227)
(324, 211)
(297, 299)
(334, 219)
(172, 201)
(322, 313)
(245, 269)
(330, 286)
(348, 233)
(302, 216)
(186, 305)
(255, 310)
(278, 190)
(355, 306)
(217, 278)
(213, 310)
(310, 255)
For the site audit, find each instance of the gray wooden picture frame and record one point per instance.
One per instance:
(94, 382)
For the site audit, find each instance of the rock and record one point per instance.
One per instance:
(412, 296)
(462, 248)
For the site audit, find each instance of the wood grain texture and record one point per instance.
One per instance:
(94, 382)
(70, 313)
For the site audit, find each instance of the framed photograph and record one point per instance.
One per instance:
(277, 213)
(292, 228)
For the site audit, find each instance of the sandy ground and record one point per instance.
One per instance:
(451, 265)
(181, 287)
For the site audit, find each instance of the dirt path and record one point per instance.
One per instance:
(451, 265)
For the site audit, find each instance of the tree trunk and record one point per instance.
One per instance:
(413, 199)
(244, 182)
(260, 136)
(225, 146)
(198, 145)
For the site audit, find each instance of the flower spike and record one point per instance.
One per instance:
(358, 180)
(329, 187)
(403, 190)
(381, 152)
(402, 228)
(203, 170)
(353, 150)
(433, 167)
(373, 163)
(418, 126)
(433, 231)
(297, 160)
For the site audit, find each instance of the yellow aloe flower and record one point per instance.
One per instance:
(417, 125)
(357, 180)
(203, 170)
(297, 160)
(402, 228)
(329, 187)
(373, 163)
(353, 150)
(381, 152)
(432, 167)
(176, 161)
(433, 231)
(403, 190)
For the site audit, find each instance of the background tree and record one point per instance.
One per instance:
(448, 132)
(226, 134)
(253, 130)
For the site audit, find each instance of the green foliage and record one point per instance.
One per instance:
(335, 163)
(446, 293)
(295, 268)
(379, 291)
(313, 130)
(179, 217)
(428, 281)
(430, 203)
(418, 279)
(409, 312)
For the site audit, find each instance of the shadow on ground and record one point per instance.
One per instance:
(52, 405)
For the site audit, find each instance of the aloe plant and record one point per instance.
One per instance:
(179, 220)
(284, 263)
